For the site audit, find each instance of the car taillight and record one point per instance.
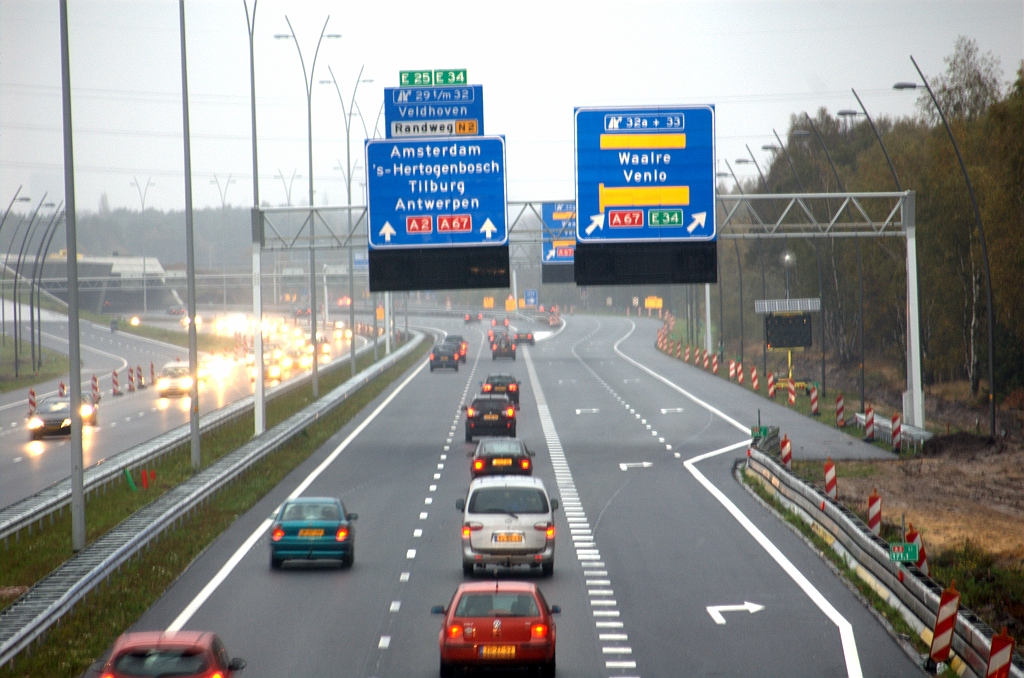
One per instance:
(216, 674)
(455, 631)
(431, 356)
(510, 412)
(494, 347)
(277, 533)
(470, 527)
(478, 465)
(550, 532)
(547, 528)
(513, 347)
(487, 388)
(539, 631)
(525, 464)
(470, 412)
(342, 534)
(513, 387)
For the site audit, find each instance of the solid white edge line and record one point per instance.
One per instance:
(853, 669)
(246, 546)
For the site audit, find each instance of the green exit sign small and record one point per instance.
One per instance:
(665, 217)
(903, 552)
(415, 78)
(450, 77)
(759, 432)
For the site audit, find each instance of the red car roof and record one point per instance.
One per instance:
(153, 639)
(497, 585)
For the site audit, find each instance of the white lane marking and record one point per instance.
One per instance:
(16, 460)
(403, 577)
(440, 466)
(443, 457)
(617, 650)
(437, 476)
(716, 610)
(608, 624)
(853, 669)
(396, 605)
(247, 545)
(672, 410)
(417, 533)
(384, 642)
(428, 500)
(433, 488)
(635, 464)
(423, 515)
(410, 554)
(592, 410)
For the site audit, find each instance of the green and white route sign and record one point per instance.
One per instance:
(903, 552)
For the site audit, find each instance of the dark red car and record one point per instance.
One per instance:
(497, 624)
(185, 654)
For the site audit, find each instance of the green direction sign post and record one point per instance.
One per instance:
(759, 432)
(451, 76)
(903, 552)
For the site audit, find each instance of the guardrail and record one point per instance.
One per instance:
(22, 515)
(31, 615)
(902, 585)
(883, 430)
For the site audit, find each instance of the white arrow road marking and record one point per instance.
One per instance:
(698, 220)
(716, 610)
(488, 229)
(596, 221)
(592, 410)
(671, 410)
(636, 464)
(388, 231)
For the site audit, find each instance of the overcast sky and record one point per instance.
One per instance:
(757, 61)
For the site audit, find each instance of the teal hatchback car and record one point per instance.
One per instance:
(312, 528)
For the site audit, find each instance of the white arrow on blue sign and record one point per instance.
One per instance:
(436, 192)
(645, 174)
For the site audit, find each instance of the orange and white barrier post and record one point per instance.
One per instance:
(732, 369)
(897, 432)
(714, 364)
(840, 412)
(739, 373)
(771, 385)
(814, 401)
(914, 537)
(1000, 655)
(95, 389)
(62, 389)
(686, 355)
(696, 356)
(131, 380)
(875, 513)
(152, 373)
(754, 384)
(116, 390)
(869, 425)
(942, 634)
(792, 391)
(139, 378)
(705, 359)
(679, 350)
(786, 452)
(831, 489)
(31, 402)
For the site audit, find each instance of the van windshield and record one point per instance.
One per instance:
(508, 500)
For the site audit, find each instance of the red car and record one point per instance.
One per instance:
(497, 624)
(185, 654)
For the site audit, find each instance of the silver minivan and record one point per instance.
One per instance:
(507, 520)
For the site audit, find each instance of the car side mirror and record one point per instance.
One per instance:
(352, 516)
(437, 609)
(460, 504)
(237, 664)
(554, 504)
(556, 609)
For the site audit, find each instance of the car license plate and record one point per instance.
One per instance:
(499, 389)
(310, 532)
(507, 537)
(444, 357)
(497, 651)
(490, 417)
(501, 461)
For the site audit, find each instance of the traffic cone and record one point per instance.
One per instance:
(875, 512)
(786, 452)
(831, 488)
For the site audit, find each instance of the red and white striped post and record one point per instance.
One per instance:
(31, 402)
(705, 359)
(714, 364)
(942, 634)
(732, 369)
(686, 356)
(62, 389)
(786, 452)
(814, 401)
(840, 412)
(792, 391)
(131, 380)
(139, 378)
(739, 373)
(875, 512)
(696, 356)
(897, 432)
(1000, 655)
(116, 390)
(869, 425)
(771, 385)
(152, 373)
(754, 384)
(914, 537)
(95, 389)
(831, 489)
(679, 350)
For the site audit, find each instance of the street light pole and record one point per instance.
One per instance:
(143, 190)
(36, 284)
(739, 264)
(984, 248)
(259, 401)
(307, 81)
(879, 137)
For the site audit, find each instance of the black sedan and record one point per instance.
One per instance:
(523, 338)
(502, 384)
(460, 342)
(444, 355)
(53, 416)
(490, 415)
(501, 456)
(474, 317)
(503, 347)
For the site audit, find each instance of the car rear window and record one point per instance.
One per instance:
(508, 500)
(312, 511)
(500, 447)
(497, 605)
(490, 406)
(500, 381)
(163, 662)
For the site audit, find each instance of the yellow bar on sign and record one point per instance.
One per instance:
(613, 142)
(642, 196)
(562, 216)
(564, 243)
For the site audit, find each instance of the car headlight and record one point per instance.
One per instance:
(275, 371)
(86, 410)
(35, 422)
(162, 383)
(66, 423)
(186, 382)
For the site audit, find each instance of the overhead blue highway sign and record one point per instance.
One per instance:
(558, 240)
(645, 174)
(454, 110)
(530, 297)
(436, 192)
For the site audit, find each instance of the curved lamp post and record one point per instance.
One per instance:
(981, 237)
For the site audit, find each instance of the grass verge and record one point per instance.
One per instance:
(33, 556)
(89, 630)
(208, 343)
(54, 364)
